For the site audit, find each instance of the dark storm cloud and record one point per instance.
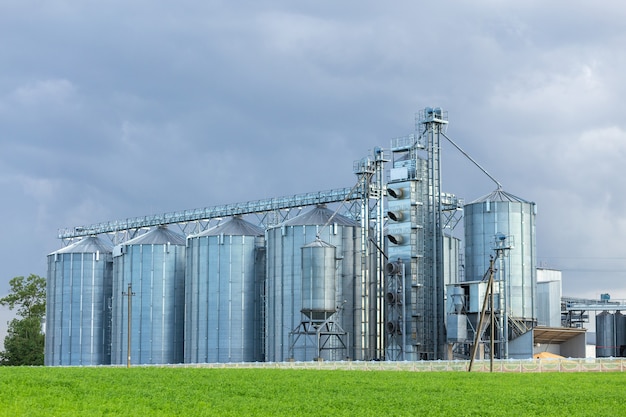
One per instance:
(119, 109)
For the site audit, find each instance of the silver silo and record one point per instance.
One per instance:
(284, 291)
(620, 334)
(605, 335)
(78, 296)
(154, 264)
(503, 219)
(318, 280)
(224, 280)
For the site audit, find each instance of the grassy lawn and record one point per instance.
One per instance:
(152, 391)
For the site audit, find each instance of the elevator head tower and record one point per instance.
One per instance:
(414, 282)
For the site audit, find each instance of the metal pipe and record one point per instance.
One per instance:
(473, 161)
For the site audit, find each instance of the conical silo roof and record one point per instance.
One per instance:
(500, 195)
(90, 244)
(158, 236)
(236, 226)
(318, 243)
(320, 215)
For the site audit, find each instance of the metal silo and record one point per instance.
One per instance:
(318, 280)
(78, 296)
(154, 265)
(503, 219)
(224, 280)
(620, 334)
(605, 335)
(284, 292)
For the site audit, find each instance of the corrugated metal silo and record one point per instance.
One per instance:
(620, 334)
(154, 263)
(284, 291)
(224, 281)
(451, 251)
(605, 335)
(318, 280)
(505, 215)
(78, 296)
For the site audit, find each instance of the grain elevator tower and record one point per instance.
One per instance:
(414, 282)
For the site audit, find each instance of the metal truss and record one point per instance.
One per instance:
(270, 211)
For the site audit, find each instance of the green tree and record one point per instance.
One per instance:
(24, 343)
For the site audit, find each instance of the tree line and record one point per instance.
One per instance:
(24, 342)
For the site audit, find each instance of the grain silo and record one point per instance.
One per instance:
(284, 292)
(78, 296)
(502, 220)
(620, 334)
(605, 335)
(223, 286)
(154, 266)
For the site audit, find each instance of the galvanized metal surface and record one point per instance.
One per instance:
(78, 295)
(548, 299)
(223, 288)
(620, 334)
(409, 243)
(318, 280)
(283, 291)
(605, 335)
(258, 206)
(154, 264)
(507, 215)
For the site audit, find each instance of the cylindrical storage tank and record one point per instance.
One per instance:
(605, 335)
(318, 280)
(154, 265)
(505, 221)
(451, 260)
(78, 297)
(223, 287)
(620, 334)
(283, 289)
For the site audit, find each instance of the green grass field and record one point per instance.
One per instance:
(153, 391)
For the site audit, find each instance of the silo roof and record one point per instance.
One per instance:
(318, 243)
(90, 244)
(320, 215)
(500, 195)
(159, 236)
(236, 226)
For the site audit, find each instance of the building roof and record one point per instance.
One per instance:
(320, 215)
(556, 335)
(500, 195)
(89, 244)
(236, 226)
(158, 236)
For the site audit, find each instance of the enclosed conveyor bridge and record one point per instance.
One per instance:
(208, 213)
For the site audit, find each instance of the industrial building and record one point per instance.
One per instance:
(377, 271)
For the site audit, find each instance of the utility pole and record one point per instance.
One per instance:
(129, 294)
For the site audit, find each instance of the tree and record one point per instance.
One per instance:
(24, 343)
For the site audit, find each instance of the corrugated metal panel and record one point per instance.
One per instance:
(605, 335)
(155, 266)
(318, 280)
(158, 236)
(234, 227)
(78, 295)
(620, 334)
(320, 215)
(283, 289)
(516, 220)
(500, 195)
(223, 294)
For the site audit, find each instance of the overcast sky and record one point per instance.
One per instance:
(115, 109)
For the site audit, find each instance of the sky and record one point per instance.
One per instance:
(116, 109)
